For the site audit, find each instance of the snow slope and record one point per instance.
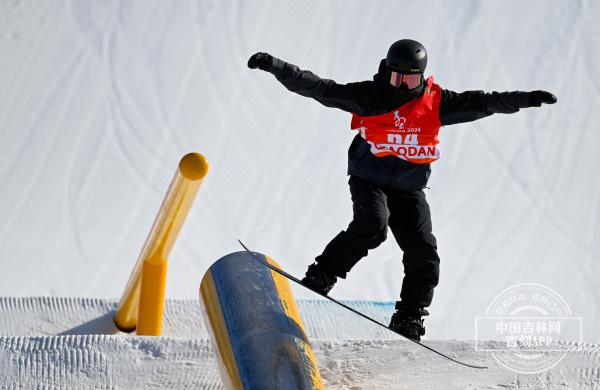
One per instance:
(99, 100)
(79, 347)
(113, 362)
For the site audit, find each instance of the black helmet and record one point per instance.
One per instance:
(407, 56)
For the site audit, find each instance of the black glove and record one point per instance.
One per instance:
(262, 61)
(536, 98)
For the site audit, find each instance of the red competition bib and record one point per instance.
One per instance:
(409, 132)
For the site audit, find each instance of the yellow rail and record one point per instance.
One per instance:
(141, 305)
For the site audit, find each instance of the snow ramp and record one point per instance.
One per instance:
(72, 343)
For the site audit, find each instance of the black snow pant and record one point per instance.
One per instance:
(408, 216)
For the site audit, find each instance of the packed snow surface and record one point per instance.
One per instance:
(81, 348)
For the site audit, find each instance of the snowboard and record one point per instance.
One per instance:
(296, 280)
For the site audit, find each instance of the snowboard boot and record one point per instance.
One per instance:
(319, 279)
(408, 322)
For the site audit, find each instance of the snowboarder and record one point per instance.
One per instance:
(397, 117)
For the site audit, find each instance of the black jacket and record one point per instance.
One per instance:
(377, 97)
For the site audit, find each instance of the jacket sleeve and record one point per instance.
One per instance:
(472, 105)
(327, 92)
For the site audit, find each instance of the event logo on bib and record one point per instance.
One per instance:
(399, 120)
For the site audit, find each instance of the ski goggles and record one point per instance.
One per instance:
(412, 80)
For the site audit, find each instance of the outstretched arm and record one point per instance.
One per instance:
(472, 105)
(303, 82)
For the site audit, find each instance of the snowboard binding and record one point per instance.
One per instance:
(408, 322)
(319, 279)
